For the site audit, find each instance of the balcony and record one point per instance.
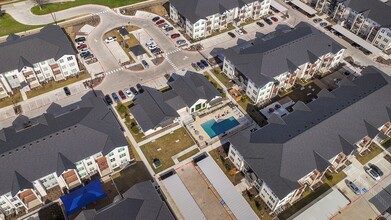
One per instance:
(29, 80)
(365, 142)
(57, 71)
(54, 66)
(103, 166)
(27, 74)
(71, 178)
(29, 198)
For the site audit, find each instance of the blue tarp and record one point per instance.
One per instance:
(86, 195)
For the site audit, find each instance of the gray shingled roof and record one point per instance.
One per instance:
(154, 108)
(192, 87)
(140, 202)
(33, 152)
(284, 52)
(282, 154)
(195, 10)
(376, 10)
(50, 42)
(137, 50)
(151, 110)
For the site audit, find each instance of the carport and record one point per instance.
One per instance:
(235, 201)
(182, 198)
(324, 208)
(304, 7)
(279, 7)
(345, 32)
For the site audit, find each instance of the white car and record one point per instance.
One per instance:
(165, 26)
(152, 47)
(151, 43)
(129, 93)
(239, 31)
(110, 39)
(373, 174)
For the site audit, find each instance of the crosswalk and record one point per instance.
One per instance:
(174, 51)
(171, 63)
(102, 12)
(114, 71)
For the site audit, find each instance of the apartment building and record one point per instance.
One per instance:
(263, 68)
(28, 61)
(188, 94)
(58, 151)
(200, 18)
(142, 201)
(292, 153)
(368, 19)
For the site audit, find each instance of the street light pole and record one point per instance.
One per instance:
(115, 186)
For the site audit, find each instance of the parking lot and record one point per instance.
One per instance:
(356, 173)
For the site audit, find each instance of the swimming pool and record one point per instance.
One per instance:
(213, 128)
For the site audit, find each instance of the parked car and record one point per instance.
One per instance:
(239, 31)
(204, 63)
(108, 100)
(115, 97)
(173, 36)
(145, 64)
(151, 43)
(268, 21)
(85, 54)
(195, 66)
(67, 91)
(134, 91)
(84, 50)
(90, 56)
(155, 18)
(110, 39)
(80, 39)
(140, 88)
(274, 19)
(200, 65)
(354, 188)
(317, 20)
(376, 169)
(260, 24)
(159, 22)
(231, 34)
(169, 29)
(156, 50)
(122, 94)
(323, 24)
(165, 26)
(373, 174)
(152, 47)
(129, 93)
(81, 46)
(180, 42)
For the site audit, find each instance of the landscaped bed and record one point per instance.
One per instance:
(226, 165)
(187, 155)
(8, 25)
(165, 147)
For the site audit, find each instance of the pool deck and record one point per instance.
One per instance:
(200, 135)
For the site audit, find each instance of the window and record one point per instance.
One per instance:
(92, 169)
(45, 69)
(61, 61)
(38, 71)
(121, 149)
(122, 155)
(89, 163)
(72, 64)
(80, 168)
(111, 154)
(70, 58)
(114, 164)
(112, 159)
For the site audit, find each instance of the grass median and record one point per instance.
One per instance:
(54, 7)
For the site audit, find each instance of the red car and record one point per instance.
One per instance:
(81, 46)
(274, 19)
(122, 94)
(173, 36)
(159, 22)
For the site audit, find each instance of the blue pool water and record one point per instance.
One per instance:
(213, 128)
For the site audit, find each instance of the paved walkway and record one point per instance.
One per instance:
(159, 135)
(176, 156)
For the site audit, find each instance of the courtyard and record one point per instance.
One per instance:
(216, 123)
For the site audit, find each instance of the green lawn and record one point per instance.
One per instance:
(52, 85)
(136, 156)
(365, 159)
(222, 77)
(11, 100)
(46, 9)
(8, 25)
(123, 108)
(214, 83)
(187, 155)
(167, 146)
(132, 126)
(386, 143)
(334, 178)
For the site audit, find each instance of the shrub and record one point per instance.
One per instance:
(328, 176)
(258, 205)
(127, 119)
